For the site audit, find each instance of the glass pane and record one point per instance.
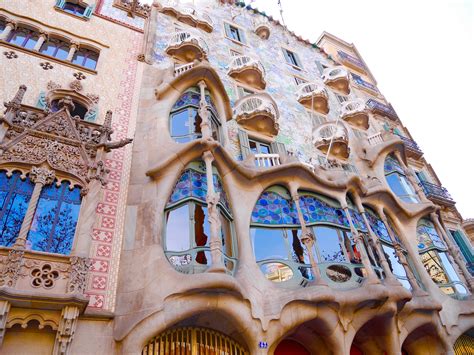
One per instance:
(277, 272)
(409, 190)
(78, 58)
(48, 48)
(202, 228)
(298, 250)
(62, 52)
(328, 244)
(269, 243)
(253, 147)
(395, 185)
(177, 229)
(264, 149)
(91, 63)
(54, 222)
(432, 264)
(449, 267)
(31, 42)
(180, 123)
(396, 268)
(226, 236)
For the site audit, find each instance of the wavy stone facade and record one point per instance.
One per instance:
(271, 200)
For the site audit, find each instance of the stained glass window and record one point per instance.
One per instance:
(378, 227)
(273, 208)
(15, 195)
(318, 211)
(54, 222)
(428, 236)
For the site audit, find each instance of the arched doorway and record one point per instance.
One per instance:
(193, 341)
(291, 347)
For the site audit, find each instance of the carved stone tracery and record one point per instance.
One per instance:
(78, 274)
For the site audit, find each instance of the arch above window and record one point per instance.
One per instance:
(23, 37)
(55, 47)
(86, 58)
(84, 107)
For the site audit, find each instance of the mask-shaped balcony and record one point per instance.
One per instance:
(356, 113)
(411, 148)
(437, 194)
(333, 138)
(262, 29)
(337, 78)
(188, 14)
(187, 46)
(248, 70)
(257, 113)
(313, 96)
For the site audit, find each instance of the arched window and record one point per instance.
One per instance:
(79, 109)
(55, 219)
(433, 253)
(185, 123)
(2, 24)
(15, 194)
(398, 182)
(86, 58)
(73, 8)
(23, 37)
(55, 48)
(188, 249)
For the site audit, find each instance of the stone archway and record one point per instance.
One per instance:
(424, 340)
(290, 347)
(376, 336)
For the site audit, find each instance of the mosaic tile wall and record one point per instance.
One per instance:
(279, 76)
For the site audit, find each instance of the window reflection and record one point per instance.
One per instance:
(177, 235)
(398, 182)
(329, 245)
(15, 195)
(54, 222)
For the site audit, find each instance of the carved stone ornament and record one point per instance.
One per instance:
(78, 275)
(41, 176)
(66, 330)
(76, 85)
(79, 76)
(46, 65)
(52, 85)
(44, 276)
(10, 54)
(10, 271)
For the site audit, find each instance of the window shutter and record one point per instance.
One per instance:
(285, 53)
(298, 61)
(421, 176)
(465, 250)
(243, 38)
(278, 148)
(89, 10)
(227, 30)
(60, 3)
(244, 144)
(320, 67)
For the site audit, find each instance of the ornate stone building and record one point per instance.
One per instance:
(194, 178)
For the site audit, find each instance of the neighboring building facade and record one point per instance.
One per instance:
(271, 200)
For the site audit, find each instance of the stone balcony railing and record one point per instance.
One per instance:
(382, 109)
(262, 28)
(267, 160)
(248, 70)
(337, 78)
(257, 113)
(351, 61)
(187, 46)
(334, 138)
(188, 14)
(313, 96)
(411, 147)
(356, 113)
(437, 194)
(181, 69)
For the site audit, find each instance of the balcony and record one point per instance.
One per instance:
(364, 84)
(187, 46)
(248, 70)
(333, 138)
(262, 29)
(337, 78)
(188, 15)
(313, 96)
(351, 62)
(437, 194)
(382, 109)
(257, 113)
(356, 113)
(267, 160)
(411, 148)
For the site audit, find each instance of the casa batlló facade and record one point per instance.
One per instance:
(194, 178)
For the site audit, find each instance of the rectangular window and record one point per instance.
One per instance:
(234, 33)
(299, 80)
(291, 58)
(257, 147)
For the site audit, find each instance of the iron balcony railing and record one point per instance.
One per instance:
(350, 59)
(436, 192)
(361, 82)
(379, 107)
(411, 145)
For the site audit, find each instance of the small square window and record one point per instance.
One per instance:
(234, 33)
(291, 58)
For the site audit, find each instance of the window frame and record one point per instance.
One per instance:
(241, 33)
(291, 58)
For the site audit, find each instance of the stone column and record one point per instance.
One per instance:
(416, 289)
(74, 47)
(4, 309)
(9, 27)
(454, 253)
(307, 238)
(66, 330)
(42, 37)
(212, 199)
(411, 177)
(12, 107)
(206, 129)
(41, 177)
(371, 276)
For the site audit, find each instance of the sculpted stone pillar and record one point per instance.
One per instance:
(66, 330)
(416, 289)
(454, 252)
(41, 177)
(41, 39)
(9, 27)
(206, 129)
(72, 50)
(212, 199)
(371, 276)
(4, 309)
(307, 238)
(411, 177)
(12, 107)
